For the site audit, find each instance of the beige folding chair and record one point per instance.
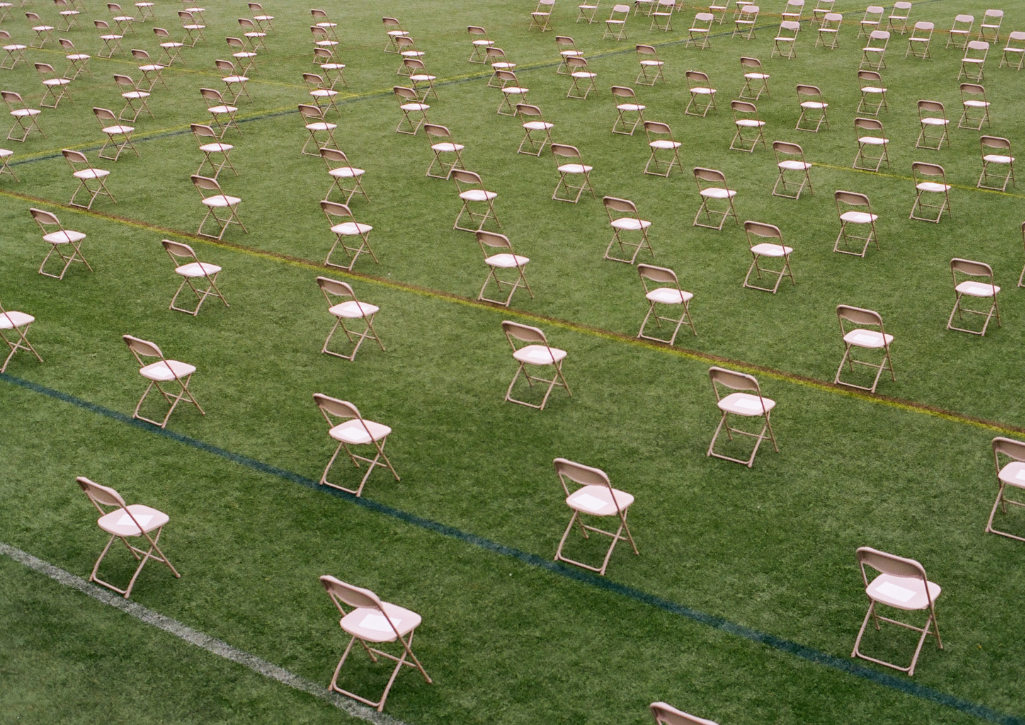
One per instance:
(111, 40)
(537, 131)
(541, 18)
(897, 22)
(90, 179)
(702, 95)
(761, 250)
(863, 329)
(873, 93)
(996, 152)
(423, 82)
(581, 78)
(719, 8)
(627, 110)
(253, 36)
(662, 15)
(446, 147)
(78, 63)
(213, 199)
(712, 189)
(974, 61)
(901, 584)
(211, 145)
(478, 202)
(920, 39)
(587, 11)
(855, 212)
(246, 58)
(341, 171)
(221, 113)
(793, 10)
(535, 351)
(749, 127)
(17, 324)
(15, 52)
(5, 167)
(744, 21)
(343, 305)
(146, 11)
(350, 428)
(665, 150)
(322, 133)
(126, 522)
(394, 30)
(651, 66)
(170, 50)
(498, 62)
(870, 136)
(373, 621)
(343, 231)
(662, 290)
(135, 99)
(790, 162)
(43, 31)
(264, 22)
(323, 41)
(756, 81)
(55, 87)
(932, 117)
(191, 270)
(923, 174)
(1013, 55)
(331, 69)
(623, 217)
(873, 55)
(414, 112)
(193, 28)
(68, 14)
(1011, 474)
(973, 280)
(234, 82)
(667, 714)
(960, 31)
(989, 27)
(322, 95)
(785, 42)
(500, 260)
(615, 26)
(872, 20)
(322, 21)
(644, 7)
(593, 495)
(121, 20)
(747, 402)
(151, 72)
(699, 32)
(567, 49)
(512, 92)
(480, 43)
(829, 31)
(569, 170)
(161, 373)
(812, 111)
(57, 240)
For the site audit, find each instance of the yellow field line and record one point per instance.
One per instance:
(911, 180)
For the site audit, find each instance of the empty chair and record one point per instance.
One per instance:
(756, 81)
(920, 39)
(615, 26)
(762, 251)
(537, 131)
(744, 21)
(199, 277)
(247, 58)
(974, 60)
(90, 179)
(901, 584)
(170, 50)
(173, 374)
(59, 239)
(785, 42)
(322, 132)
(719, 8)
(394, 30)
(374, 621)
(498, 62)
(121, 20)
(997, 163)
(14, 332)
(262, 19)
(1014, 52)
(820, 11)
(793, 170)
(146, 10)
(749, 126)
(323, 41)
(126, 522)
(5, 167)
(812, 110)
(346, 230)
(345, 307)
(855, 212)
(1010, 474)
(630, 113)
(15, 52)
(960, 31)
(222, 114)
(863, 329)
(478, 202)
(499, 256)
(667, 714)
(870, 139)
(331, 69)
(322, 21)
(192, 27)
(151, 72)
(414, 112)
(541, 18)
(651, 66)
(322, 95)
(973, 280)
(351, 429)
(933, 119)
(68, 14)
(78, 63)
(512, 92)
(43, 31)
(135, 99)
(644, 6)
(234, 82)
(897, 22)
(570, 166)
(665, 150)
(927, 189)
(663, 292)
(423, 82)
(255, 37)
(55, 87)
(111, 40)
(829, 31)
(480, 43)
(989, 27)
(873, 93)
(662, 15)
(974, 107)
(587, 11)
(345, 177)
(712, 189)
(745, 402)
(567, 49)
(873, 55)
(530, 347)
(214, 199)
(581, 77)
(700, 30)
(702, 95)
(444, 148)
(871, 20)
(623, 217)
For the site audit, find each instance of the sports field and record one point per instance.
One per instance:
(746, 598)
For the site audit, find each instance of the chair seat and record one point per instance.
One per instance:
(222, 109)
(16, 46)
(197, 269)
(765, 249)
(750, 123)
(935, 121)
(484, 42)
(352, 431)
(418, 78)
(351, 310)
(514, 90)
(506, 261)
(151, 67)
(91, 174)
(539, 355)
(44, 28)
(13, 318)
(814, 104)
(4, 153)
(976, 104)
(652, 62)
(64, 237)
(446, 147)
(793, 165)
(332, 66)
(346, 172)
(717, 193)
(135, 94)
(932, 186)
(901, 592)
(110, 130)
(872, 89)
(235, 79)
(977, 289)
(319, 93)
(477, 195)
(166, 370)
(575, 169)
(351, 229)
(412, 54)
(757, 76)
(22, 112)
(78, 56)
(669, 296)
(414, 107)
(630, 223)
(392, 33)
(216, 148)
(703, 91)
(1013, 474)
(870, 339)
(221, 200)
(745, 404)
(168, 45)
(50, 82)
(503, 65)
(571, 53)
(858, 217)
(599, 501)
(321, 126)
(973, 60)
(873, 140)
(242, 54)
(998, 159)
(538, 125)
(630, 107)
(372, 626)
(118, 523)
(665, 144)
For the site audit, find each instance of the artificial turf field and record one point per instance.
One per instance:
(745, 600)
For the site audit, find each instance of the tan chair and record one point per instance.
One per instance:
(322, 21)
(873, 55)
(43, 31)
(161, 373)
(135, 99)
(78, 63)
(55, 87)
(989, 27)
(870, 136)
(1011, 474)
(644, 7)
(702, 95)
(322, 132)
(996, 152)
(234, 82)
(350, 428)
(331, 69)
(829, 31)
(855, 212)
(746, 402)
(170, 50)
(623, 217)
(587, 11)
(478, 202)
(901, 584)
(719, 8)
(511, 91)
(785, 42)
(111, 40)
(414, 112)
(662, 16)
(255, 37)
(700, 30)
(662, 290)
(627, 107)
(749, 127)
(211, 145)
(343, 231)
(762, 250)
(537, 131)
(89, 178)
(926, 187)
(68, 14)
(423, 82)
(446, 147)
(932, 118)
(665, 150)
(920, 40)
(960, 31)
(151, 72)
(897, 21)
(812, 111)
(25, 118)
(126, 522)
(790, 162)
(615, 26)
(581, 78)
(873, 93)
(191, 270)
(214, 199)
(16, 323)
(222, 114)
(744, 21)
(592, 495)
(973, 280)
(490, 244)
(651, 66)
(121, 20)
(756, 80)
(712, 189)
(820, 11)
(5, 167)
(667, 714)
(567, 49)
(394, 30)
(975, 107)
(15, 52)
(863, 329)
(376, 622)
(480, 43)
(345, 177)
(59, 240)
(262, 19)
(530, 347)
(343, 305)
(1013, 55)
(974, 61)
(571, 169)
(194, 29)
(541, 18)
(871, 20)
(247, 58)
(498, 62)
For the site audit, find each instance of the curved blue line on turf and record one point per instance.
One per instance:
(842, 664)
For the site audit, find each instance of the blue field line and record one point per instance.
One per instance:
(843, 664)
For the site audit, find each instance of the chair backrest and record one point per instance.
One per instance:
(45, 217)
(1008, 447)
(580, 474)
(851, 198)
(335, 155)
(354, 597)
(433, 129)
(161, 33)
(523, 333)
(335, 408)
(105, 115)
(925, 28)
(322, 54)
(619, 10)
(931, 107)
(874, 12)
(623, 92)
(647, 50)
(245, 24)
(334, 209)
(711, 176)
(614, 204)
(743, 107)
(142, 348)
(405, 94)
(882, 37)
(75, 157)
(405, 42)
(733, 380)
(705, 18)
(565, 151)
(178, 249)
(903, 6)
(123, 80)
(805, 90)
(308, 111)
(747, 10)
(313, 80)
(564, 40)
(494, 54)
(225, 66)
(889, 564)
(829, 19)
(789, 26)
(696, 78)
(657, 128)
(46, 70)
(763, 230)
(995, 142)
(992, 18)
(33, 17)
(960, 21)
(788, 149)
(525, 109)
(100, 496)
(205, 183)
(493, 240)
(413, 64)
(462, 176)
(232, 42)
(335, 288)
(976, 49)
(870, 77)
(547, 4)
(212, 95)
(318, 14)
(858, 316)
(668, 715)
(926, 169)
(506, 76)
(868, 124)
(478, 30)
(658, 275)
(4, 35)
(575, 61)
(970, 268)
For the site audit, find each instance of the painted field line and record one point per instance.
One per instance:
(911, 180)
(841, 664)
(197, 638)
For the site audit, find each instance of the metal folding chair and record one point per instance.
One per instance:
(873, 55)
(973, 280)
(537, 131)
(920, 39)
(746, 402)
(702, 95)
(785, 43)
(160, 373)
(863, 329)
(322, 132)
(16, 325)
(480, 43)
(346, 177)
(414, 112)
(699, 31)
(630, 113)
(873, 93)
(869, 132)
(1010, 474)
(926, 188)
(214, 199)
(744, 21)
(89, 178)
(222, 114)
(444, 148)
(790, 162)
(812, 111)
(762, 250)
(530, 347)
(996, 152)
(135, 99)
(651, 66)
(712, 188)
(55, 88)
(623, 217)
(343, 231)
(59, 240)
(932, 117)
(855, 212)
(541, 18)
(581, 77)
(829, 31)
(490, 244)
(344, 306)
(665, 150)
(662, 290)
(570, 170)
(974, 61)
(191, 270)
(756, 80)
(478, 203)
(960, 31)
(351, 429)
(78, 63)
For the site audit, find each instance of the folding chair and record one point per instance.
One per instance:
(213, 199)
(747, 402)
(1001, 158)
(536, 352)
(497, 61)
(332, 70)
(126, 522)
(5, 11)
(587, 11)
(480, 42)
(749, 127)
(346, 230)
(15, 51)
(626, 110)
(615, 26)
(111, 40)
(873, 55)
(901, 584)
(897, 22)
(760, 250)
(195, 10)
(960, 31)
(651, 66)
(374, 621)
(447, 146)
(246, 58)
(340, 171)
(790, 162)
(78, 63)
(414, 113)
(719, 8)
(323, 40)
(542, 16)
(135, 99)
(5, 167)
(393, 29)
(145, 11)
(662, 16)
(90, 179)
(322, 95)
(863, 329)
(854, 209)
(232, 80)
(350, 428)
(813, 111)
(571, 170)
(321, 20)
(497, 260)
(793, 10)
(407, 49)
(170, 50)
(870, 135)
(1010, 474)
(43, 31)
(756, 81)
(313, 120)
(121, 21)
(645, 7)
(151, 71)
(210, 144)
(511, 89)
(974, 60)
(700, 30)
(222, 114)
(190, 269)
(785, 42)
(627, 221)
(872, 19)
(932, 116)
(537, 131)
(702, 95)
(667, 714)
(263, 21)
(423, 82)
(744, 21)
(1015, 49)
(68, 14)
(343, 305)
(712, 188)
(567, 49)
(919, 40)
(829, 31)
(57, 239)
(989, 28)
(252, 34)
(12, 321)
(873, 93)
(55, 87)
(665, 150)
(192, 27)
(473, 195)
(922, 173)
(159, 374)
(662, 289)
(582, 79)
(973, 280)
